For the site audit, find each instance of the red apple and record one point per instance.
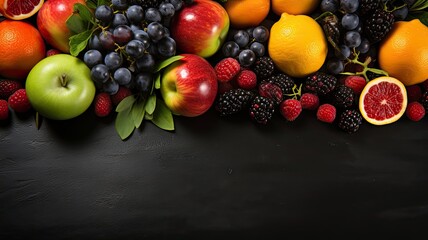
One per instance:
(200, 28)
(189, 86)
(51, 20)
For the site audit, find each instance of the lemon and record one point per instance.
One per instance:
(297, 45)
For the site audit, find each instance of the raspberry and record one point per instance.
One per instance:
(290, 109)
(227, 69)
(309, 101)
(19, 102)
(4, 110)
(326, 113)
(122, 93)
(7, 87)
(414, 93)
(246, 79)
(103, 104)
(415, 111)
(356, 83)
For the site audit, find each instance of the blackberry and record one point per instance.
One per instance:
(378, 25)
(424, 100)
(320, 83)
(350, 120)
(368, 6)
(261, 109)
(343, 97)
(264, 67)
(285, 82)
(233, 101)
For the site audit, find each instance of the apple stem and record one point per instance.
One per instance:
(63, 80)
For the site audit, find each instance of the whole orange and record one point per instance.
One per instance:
(247, 13)
(21, 48)
(404, 52)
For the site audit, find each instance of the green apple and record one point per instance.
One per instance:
(59, 87)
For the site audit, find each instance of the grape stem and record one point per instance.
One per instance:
(365, 66)
(297, 92)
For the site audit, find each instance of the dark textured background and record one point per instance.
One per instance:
(212, 178)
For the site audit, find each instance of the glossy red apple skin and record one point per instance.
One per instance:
(200, 28)
(189, 86)
(51, 20)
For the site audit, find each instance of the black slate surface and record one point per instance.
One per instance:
(212, 178)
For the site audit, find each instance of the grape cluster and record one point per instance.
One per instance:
(246, 44)
(132, 37)
(357, 26)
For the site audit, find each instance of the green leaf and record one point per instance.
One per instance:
(158, 81)
(79, 41)
(84, 12)
(421, 15)
(162, 116)
(75, 24)
(92, 4)
(419, 5)
(165, 63)
(125, 104)
(124, 124)
(138, 111)
(148, 116)
(151, 104)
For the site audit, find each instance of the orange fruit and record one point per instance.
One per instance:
(296, 7)
(21, 48)
(297, 45)
(383, 100)
(404, 52)
(19, 9)
(247, 13)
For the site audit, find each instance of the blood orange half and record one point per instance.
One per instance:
(19, 9)
(383, 100)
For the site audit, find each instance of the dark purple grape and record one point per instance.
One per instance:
(352, 39)
(335, 66)
(146, 63)
(350, 21)
(166, 9)
(100, 73)
(144, 81)
(364, 46)
(104, 14)
(153, 15)
(230, 49)
(156, 31)
(247, 57)
(94, 43)
(258, 48)
(122, 34)
(119, 19)
(106, 40)
(166, 47)
(241, 38)
(261, 34)
(143, 37)
(349, 6)
(178, 4)
(113, 60)
(344, 52)
(135, 48)
(92, 57)
(122, 76)
(329, 6)
(119, 4)
(135, 14)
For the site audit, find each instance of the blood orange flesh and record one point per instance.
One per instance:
(20, 9)
(383, 100)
